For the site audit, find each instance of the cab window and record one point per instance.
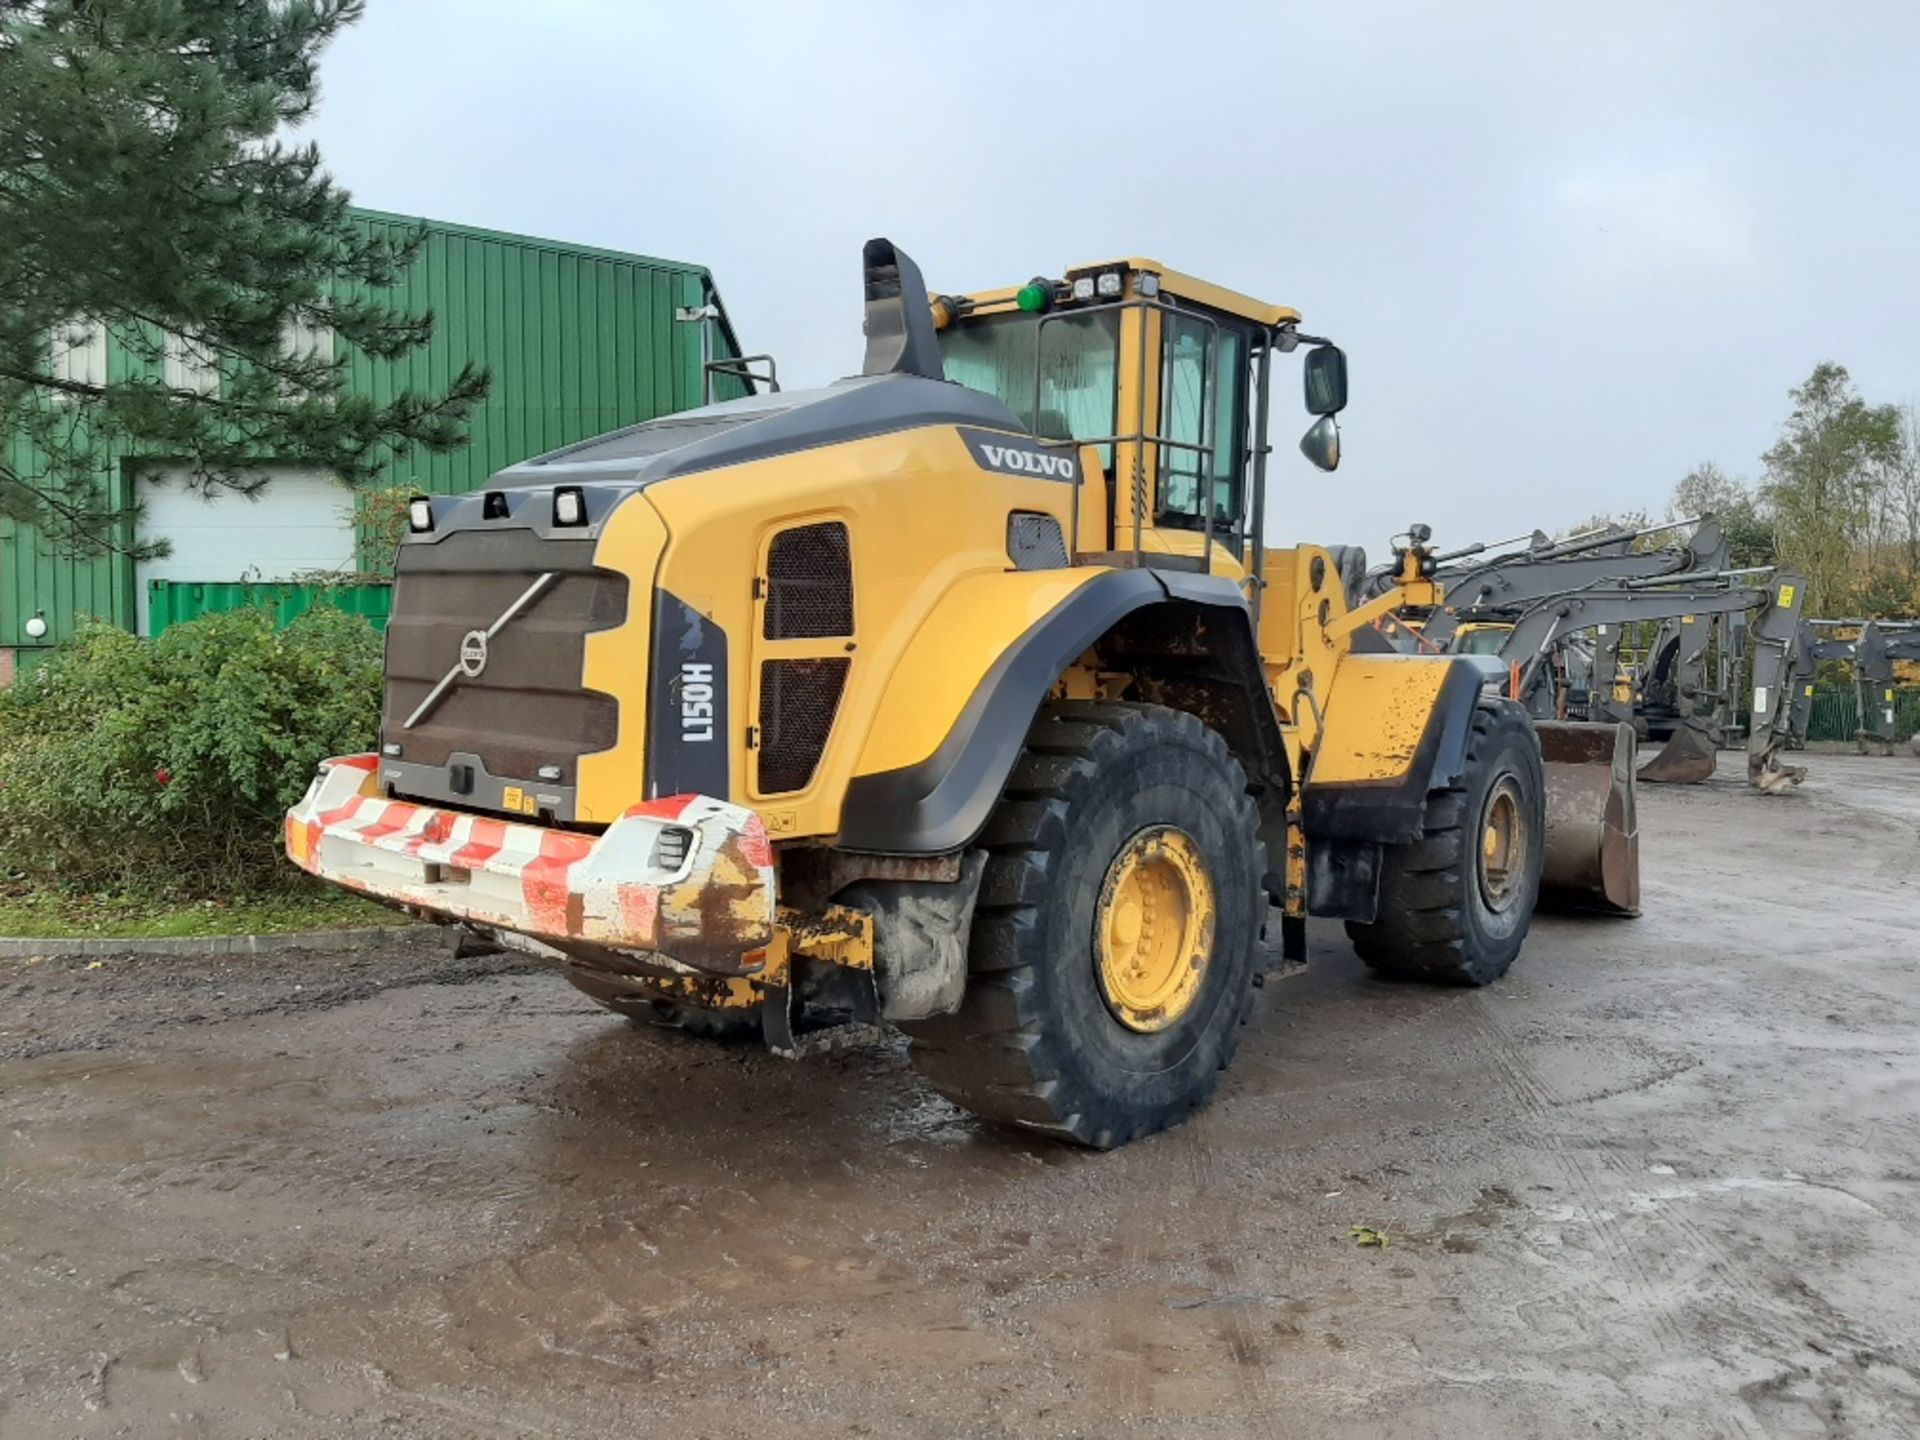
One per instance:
(1074, 358)
(1203, 402)
(1484, 641)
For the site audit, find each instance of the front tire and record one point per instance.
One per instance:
(1112, 954)
(1455, 904)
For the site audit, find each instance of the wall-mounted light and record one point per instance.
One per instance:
(36, 627)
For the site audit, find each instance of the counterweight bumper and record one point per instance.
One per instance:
(687, 878)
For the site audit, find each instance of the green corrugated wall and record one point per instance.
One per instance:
(579, 340)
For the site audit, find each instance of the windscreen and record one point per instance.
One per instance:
(1056, 372)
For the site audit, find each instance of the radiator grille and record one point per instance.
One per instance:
(1034, 542)
(528, 708)
(809, 583)
(798, 699)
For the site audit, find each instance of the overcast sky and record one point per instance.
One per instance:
(1571, 250)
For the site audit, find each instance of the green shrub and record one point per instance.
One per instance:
(165, 766)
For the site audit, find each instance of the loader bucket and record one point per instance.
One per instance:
(1593, 833)
(1687, 758)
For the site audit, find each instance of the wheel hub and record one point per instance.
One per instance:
(1506, 842)
(1153, 929)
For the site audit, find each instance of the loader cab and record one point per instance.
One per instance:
(1163, 376)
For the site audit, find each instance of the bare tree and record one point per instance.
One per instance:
(1824, 477)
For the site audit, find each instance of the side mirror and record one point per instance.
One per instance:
(1326, 378)
(1321, 443)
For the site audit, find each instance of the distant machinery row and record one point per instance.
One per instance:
(1561, 616)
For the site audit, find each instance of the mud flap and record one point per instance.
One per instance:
(920, 935)
(1593, 834)
(776, 1021)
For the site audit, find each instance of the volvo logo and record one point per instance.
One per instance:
(1015, 456)
(473, 649)
(1031, 462)
(473, 653)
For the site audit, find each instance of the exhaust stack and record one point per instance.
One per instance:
(900, 334)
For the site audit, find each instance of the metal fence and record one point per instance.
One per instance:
(171, 602)
(1836, 712)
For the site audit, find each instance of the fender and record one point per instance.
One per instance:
(940, 803)
(1396, 728)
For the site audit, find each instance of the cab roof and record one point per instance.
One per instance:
(1174, 282)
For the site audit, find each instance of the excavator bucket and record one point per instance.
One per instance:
(1593, 834)
(1687, 758)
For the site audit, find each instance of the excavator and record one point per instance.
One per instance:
(1507, 583)
(1579, 598)
(1812, 649)
(1678, 681)
(1694, 600)
(1873, 656)
(963, 694)
(1484, 599)
(1582, 677)
(1872, 650)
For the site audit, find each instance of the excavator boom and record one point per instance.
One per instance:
(1539, 629)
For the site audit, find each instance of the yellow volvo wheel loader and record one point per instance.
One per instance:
(960, 694)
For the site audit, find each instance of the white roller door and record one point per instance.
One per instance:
(302, 522)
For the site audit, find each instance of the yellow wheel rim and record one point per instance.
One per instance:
(1504, 846)
(1153, 929)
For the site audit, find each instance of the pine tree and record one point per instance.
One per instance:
(146, 188)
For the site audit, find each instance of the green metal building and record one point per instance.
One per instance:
(579, 341)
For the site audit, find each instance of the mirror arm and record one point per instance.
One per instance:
(1287, 338)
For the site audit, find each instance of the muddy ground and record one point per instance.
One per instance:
(1664, 1179)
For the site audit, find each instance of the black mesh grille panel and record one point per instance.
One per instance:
(809, 583)
(527, 708)
(1034, 542)
(798, 699)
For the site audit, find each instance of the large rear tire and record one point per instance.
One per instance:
(1111, 959)
(1455, 904)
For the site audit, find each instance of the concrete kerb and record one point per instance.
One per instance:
(18, 948)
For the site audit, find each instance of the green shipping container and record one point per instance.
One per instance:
(170, 602)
